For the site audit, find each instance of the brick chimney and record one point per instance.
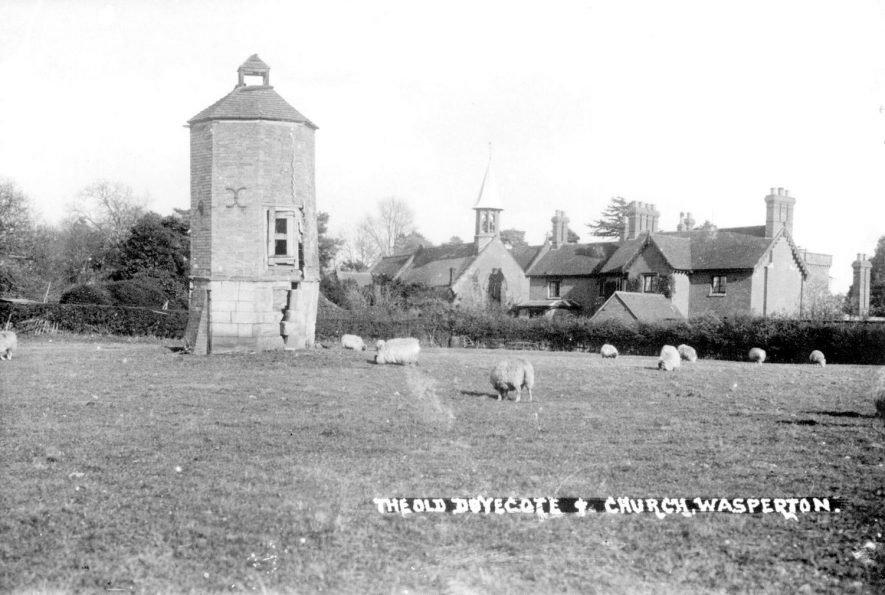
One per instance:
(641, 218)
(778, 212)
(560, 229)
(860, 294)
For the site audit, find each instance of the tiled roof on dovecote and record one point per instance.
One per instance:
(574, 259)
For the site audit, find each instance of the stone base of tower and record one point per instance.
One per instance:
(247, 315)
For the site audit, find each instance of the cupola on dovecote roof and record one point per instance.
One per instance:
(252, 101)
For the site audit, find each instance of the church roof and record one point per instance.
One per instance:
(439, 266)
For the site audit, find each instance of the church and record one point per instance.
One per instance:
(646, 274)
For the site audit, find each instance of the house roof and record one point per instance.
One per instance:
(574, 259)
(549, 304)
(390, 266)
(728, 248)
(362, 278)
(646, 307)
(626, 251)
(525, 255)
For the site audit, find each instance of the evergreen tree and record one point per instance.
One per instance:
(613, 220)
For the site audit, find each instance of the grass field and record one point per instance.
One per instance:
(128, 466)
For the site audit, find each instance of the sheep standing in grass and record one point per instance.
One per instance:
(756, 355)
(669, 359)
(817, 358)
(397, 351)
(608, 351)
(687, 353)
(354, 342)
(513, 374)
(8, 344)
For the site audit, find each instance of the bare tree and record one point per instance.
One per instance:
(111, 208)
(16, 220)
(395, 218)
(359, 249)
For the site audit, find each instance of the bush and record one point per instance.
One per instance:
(136, 294)
(87, 294)
(105, 320)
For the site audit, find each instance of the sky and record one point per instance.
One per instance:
(693, 106)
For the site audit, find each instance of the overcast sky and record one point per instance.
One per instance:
(696, 106)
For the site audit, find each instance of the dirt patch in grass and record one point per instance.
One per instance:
(130, 466)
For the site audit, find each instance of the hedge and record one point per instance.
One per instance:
(91, 318)
(784, 340)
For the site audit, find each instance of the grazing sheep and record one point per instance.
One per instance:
(687, 353)
(669, 359)
(8, 344)
(354, 342)
(818, 358)
(608, 351)
(756, 355)
(397, 351)
(513, 374)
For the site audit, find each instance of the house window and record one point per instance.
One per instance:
(553, 288)
(648, 283)
(717, 285)
(283, 237)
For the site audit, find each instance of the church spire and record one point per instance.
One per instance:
(488, 208)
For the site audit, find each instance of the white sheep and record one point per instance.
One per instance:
(608, 351)
(669, 359)
(513, 374)
(397, 351)
(687, 353)
(756, 355)
(8, 344)
(817, 357)
(354, 342)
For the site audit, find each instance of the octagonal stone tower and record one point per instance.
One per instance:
(254, 257)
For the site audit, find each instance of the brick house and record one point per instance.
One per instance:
(475, 275)
(755, 270)
(254, 256)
